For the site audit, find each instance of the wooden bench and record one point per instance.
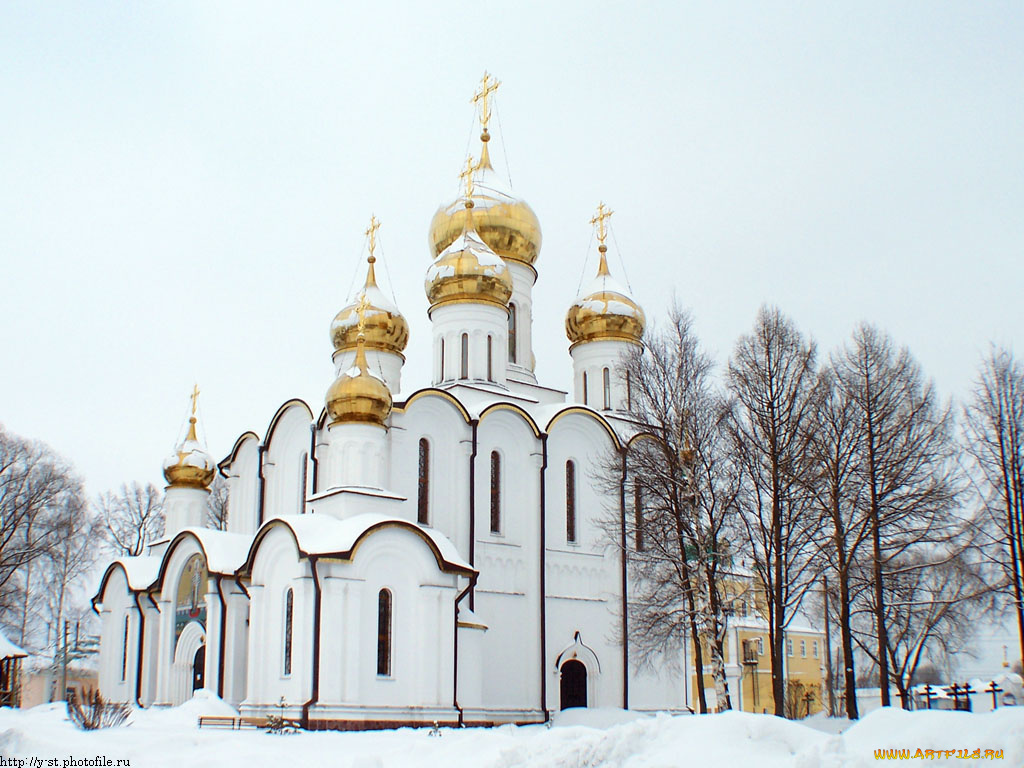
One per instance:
(232, 723)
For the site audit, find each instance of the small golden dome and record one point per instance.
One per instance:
(468, 270)
(190, 466)
(357, 395)
(508, 226)
(605, 311)
(384, 326)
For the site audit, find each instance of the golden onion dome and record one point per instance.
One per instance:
(357, 395)
(605, 311)
(190, 466)
(468, 270)
(508, 226)
(384, 327)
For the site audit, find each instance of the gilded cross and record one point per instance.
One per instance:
(602, 215)
(195, 397)
(372, 234)
(361, 312)
(467, 175)
(488, 85)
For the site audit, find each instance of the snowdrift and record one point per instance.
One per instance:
(577, 738)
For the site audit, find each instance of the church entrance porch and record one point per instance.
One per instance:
(573, 684)
(188, 672)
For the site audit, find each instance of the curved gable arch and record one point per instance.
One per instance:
(587, 413)
(514, 409)
(282, 412)
(434, 392)
(170, 556)
(285, 460)
(228, 460)
(266, 528)
(350, 553)
(108, 574)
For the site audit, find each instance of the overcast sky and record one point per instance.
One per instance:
(184, 186)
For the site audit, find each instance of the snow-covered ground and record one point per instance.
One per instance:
(592, 738)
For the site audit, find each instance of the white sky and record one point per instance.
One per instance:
(184, 187)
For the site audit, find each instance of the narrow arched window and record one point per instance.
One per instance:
(124, 652)
(289, 610)
(442, 360)
(638, 514)
(570, 501)
(606, 381)
(423, 492)
(629, 393)
(512, 333)
(490, 358)
(495, 492)
(384, 633)
(464, 372)
(584, 387)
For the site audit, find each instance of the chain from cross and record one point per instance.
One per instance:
(603, 214)
(371, 233)
(488, 85)
(195, 397)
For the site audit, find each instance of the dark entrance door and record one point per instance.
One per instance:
(574, 684)
(199, 668)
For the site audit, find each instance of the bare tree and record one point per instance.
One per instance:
(932, 601)
(683, 497)
(838, 489)
(904, 460)
(995, 439)
(132, 518)
(216, 516)
(70, 556)
(34, 484)
(772, 378)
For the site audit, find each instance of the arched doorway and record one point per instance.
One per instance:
(573, 684)
(199, 669)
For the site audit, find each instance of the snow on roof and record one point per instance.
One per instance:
(225, 552)
(323, 534)
(141, 571)
(8, 649)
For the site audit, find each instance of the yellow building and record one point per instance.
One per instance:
(748, 659)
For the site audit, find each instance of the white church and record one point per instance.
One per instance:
(405, 555)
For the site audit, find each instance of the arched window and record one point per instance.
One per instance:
(584, 387)
(442, 360)
(490, 358)
(464, 372)
(423, 493)
(638, 514)
(124, 652)
(495, 492)
(606, 380)
(570, 501)
(629, 393)
(384, 633)
(512, 333)
(289, 610)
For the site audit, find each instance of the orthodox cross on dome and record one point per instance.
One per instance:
(361, 308)
(603, 214)
(488, 85)
(371, 233)
(195, 397)
(467, 177)
(361, 338)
